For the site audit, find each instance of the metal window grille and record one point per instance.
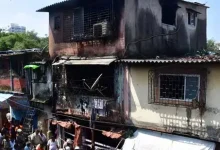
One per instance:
(90, 19)
(57, 22)
(176, 89)
(67, 26)
(191, 18)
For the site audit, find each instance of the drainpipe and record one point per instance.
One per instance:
(11, 75)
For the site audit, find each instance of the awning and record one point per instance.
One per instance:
(151, 140)
(4, 97)
(19, 103)
(31, 67)
(85, 62)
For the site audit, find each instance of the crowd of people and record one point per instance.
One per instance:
(13, 138)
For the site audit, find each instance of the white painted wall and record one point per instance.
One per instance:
(144, 114)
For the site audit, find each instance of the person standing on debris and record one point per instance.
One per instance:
(35, 138)
(52, 144)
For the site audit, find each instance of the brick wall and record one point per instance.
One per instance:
(19, 84)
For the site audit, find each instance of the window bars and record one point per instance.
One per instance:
(186, 90)
(89, 22)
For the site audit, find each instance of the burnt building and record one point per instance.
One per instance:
(127, 28)
(87, 38)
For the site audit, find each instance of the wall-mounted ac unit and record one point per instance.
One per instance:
(101, 29)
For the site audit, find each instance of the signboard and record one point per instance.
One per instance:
(99, 103)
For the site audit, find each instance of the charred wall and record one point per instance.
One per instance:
(61, 41)
(147, 36)
(43, 89)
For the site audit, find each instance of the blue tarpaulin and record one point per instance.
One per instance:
(17, 114)
(4, 97)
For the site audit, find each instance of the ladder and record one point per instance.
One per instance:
(27, 124)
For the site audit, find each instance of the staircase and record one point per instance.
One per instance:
(27, 124)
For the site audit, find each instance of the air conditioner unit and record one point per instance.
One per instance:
(101, 29)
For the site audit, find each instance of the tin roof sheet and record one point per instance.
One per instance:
(85, 61)
(187, 60)
(65, 3)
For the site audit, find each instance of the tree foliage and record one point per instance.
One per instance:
(19, 41)
(213, 46)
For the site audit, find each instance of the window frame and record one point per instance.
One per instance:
(183, 75)
(57, 27)
(164, 8)
(154, 89)
(189, 12)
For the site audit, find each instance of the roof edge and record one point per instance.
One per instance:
(195, 3)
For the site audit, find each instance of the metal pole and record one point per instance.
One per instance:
(11, 75)
(92, 125)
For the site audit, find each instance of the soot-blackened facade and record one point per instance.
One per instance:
(164, 27)
(126, 28)
(82, 28)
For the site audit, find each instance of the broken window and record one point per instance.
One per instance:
(169, 13)
(57, 23)
(98, 82)
(192, 18)
(179, 87)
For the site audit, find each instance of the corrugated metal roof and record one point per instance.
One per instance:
(174, 60)
(83, 61)
(67, 2)
(52, 6)
(4, 97)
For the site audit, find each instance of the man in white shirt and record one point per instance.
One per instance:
(52, 144)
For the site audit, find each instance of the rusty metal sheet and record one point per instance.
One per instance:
(170, 60)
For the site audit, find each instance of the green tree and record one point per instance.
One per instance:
(212, 45)
(19, 41)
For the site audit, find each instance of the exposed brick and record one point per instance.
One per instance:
(19, 83)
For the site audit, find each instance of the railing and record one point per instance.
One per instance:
(82, 105)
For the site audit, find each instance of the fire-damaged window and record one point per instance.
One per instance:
(91, 80)
(57, 23)
(168, 12)
(192, 18)
(89, 22)
(177, 87)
